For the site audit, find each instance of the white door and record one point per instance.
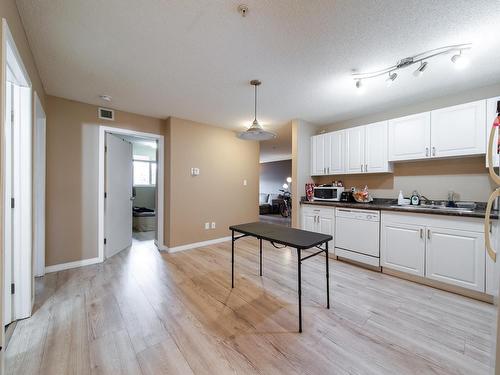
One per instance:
(456, 257)
(376, 148)
(491, 114)
(355, 150)
(317, 156)
(336, 164)
(459, 130)
(8, 211)
(402, 248)
(410, 137)
(118, 209)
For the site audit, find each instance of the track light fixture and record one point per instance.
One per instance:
(420, 69)
(459, 59)
(392, 77)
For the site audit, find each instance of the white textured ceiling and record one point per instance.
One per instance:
(193, 58)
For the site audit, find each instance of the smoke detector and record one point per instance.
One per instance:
(243, 10)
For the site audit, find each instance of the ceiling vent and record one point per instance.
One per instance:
(106, 114)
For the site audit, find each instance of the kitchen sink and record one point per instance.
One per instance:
(434, 207)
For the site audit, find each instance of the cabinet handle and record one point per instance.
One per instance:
(366, 167)
(361, 167)
(421, 233)
(428, 234)
(427, 151)
(433, 151)
(328, 170)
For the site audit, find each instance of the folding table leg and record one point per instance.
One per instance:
(260, 245)
(232, 259)
(299, 266)
(327, 279)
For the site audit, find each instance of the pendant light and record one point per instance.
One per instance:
(256, 132)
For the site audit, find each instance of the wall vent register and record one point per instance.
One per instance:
(106, 114)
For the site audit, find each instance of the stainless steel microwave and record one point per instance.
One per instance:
(327, 193)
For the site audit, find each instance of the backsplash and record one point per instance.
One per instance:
(467, 177)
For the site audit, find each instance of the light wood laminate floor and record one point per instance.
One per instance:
(142, 312)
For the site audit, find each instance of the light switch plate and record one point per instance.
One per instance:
(213, 224)
(244, 182)
(207, 225)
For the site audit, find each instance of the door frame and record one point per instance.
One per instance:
(39, 175)
(101, 184)
(22, 257)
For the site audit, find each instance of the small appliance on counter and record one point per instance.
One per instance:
(328, 193)
(347, 196)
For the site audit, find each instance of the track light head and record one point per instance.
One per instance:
(392, 77)
(420, 70)
(460, 60)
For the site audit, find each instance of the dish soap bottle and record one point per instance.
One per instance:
(415, 198)
(401, 198)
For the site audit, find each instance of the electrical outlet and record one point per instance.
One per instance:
(244, 182)
(213, 224)
(207, 225)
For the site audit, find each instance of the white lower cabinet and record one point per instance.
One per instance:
(446, 249)
(320, 219)
(403, 247)
(456, 257)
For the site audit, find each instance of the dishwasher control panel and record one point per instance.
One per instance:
(358, 214)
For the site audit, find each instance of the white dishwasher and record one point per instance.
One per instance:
(357, 235)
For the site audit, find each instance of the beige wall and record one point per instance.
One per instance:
(466, 176)
(72, 164)
(217, 194)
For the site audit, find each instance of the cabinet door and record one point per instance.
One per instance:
(309, 221)
(355, 150)
(337, 148)
(456, 257)
(376, 148)
(491, 113)
(493, 268)
(459, 130)
(327, 226)
(410, 137)
(403, 248)
(317, 155)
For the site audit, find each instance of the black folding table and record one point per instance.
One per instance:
(291, 237)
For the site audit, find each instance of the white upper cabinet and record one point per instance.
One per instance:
(337, 146)
(355, 150)
(320, 154)
(376, 148)
(459, 130)
(491, 113)
(410, 137)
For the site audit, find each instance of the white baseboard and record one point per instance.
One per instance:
(198, 244)
(75, 264)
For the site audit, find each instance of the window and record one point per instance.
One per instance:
(144, 171)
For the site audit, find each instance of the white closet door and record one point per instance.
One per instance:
(118, 209)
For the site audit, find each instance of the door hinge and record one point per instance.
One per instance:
(12, 202)
(105, 241)
(12, 115)
(105, 195)
(105, 148)
(12, 288)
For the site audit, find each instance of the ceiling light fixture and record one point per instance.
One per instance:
(256, 132)
(392, 77)
(421, 68)
(106, 98)
(459, 60)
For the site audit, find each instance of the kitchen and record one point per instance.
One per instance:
(435, 161)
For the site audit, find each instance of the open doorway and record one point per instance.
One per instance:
(17, 185)
(275, 181)
(131, 187)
